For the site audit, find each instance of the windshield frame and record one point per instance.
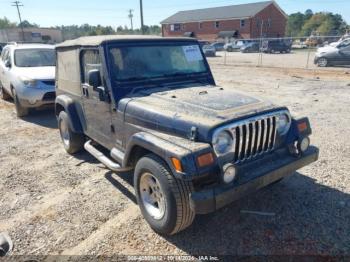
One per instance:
(33, 49)
(144, 43)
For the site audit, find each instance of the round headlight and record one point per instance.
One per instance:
(222, 142)
(283, 124)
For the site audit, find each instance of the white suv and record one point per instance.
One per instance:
(27, 74)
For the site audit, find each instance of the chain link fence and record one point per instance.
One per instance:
(288, 52)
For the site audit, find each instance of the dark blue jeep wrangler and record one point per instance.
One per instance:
(153, 104)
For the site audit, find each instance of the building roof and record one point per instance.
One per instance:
(220, 13)
(98, 40)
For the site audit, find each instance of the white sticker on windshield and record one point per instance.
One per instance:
(192, 53)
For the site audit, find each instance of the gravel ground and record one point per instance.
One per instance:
(53, 203)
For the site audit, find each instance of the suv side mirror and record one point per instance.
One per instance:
(8, 63)
(94, 78)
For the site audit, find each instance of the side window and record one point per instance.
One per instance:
(90, 60)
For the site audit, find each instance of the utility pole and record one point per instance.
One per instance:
(130, 17)
(18, 4)
(141, 13)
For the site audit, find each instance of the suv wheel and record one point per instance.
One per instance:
(163, 199)
(72, 142)
(5, 96)
(21, 111)
(322, 62)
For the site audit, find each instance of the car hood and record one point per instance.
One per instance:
(178, 111)
(327, 49)
(36, 73)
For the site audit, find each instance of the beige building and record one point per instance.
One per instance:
(31, 35)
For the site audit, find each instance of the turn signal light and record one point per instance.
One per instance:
(176, 164)
(205, 160)
(302, 126)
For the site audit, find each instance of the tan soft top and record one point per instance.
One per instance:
(98, 40)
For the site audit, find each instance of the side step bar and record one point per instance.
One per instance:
(103, 159)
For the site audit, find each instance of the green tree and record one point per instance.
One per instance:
(5, 23)
(295, 23)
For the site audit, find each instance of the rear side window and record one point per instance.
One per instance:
(90, 60)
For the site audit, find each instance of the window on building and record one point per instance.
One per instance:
(175, 27)
(269, 22)
(257, 23)
(200, 25)
(217, 24)
(183, 27)
(242, 23)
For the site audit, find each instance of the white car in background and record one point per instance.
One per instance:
(27, 74)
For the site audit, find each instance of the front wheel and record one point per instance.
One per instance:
(72, 142)
(21, 111)
(163, 199)
(322, 62)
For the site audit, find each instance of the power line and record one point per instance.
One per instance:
(131, 15)
(18, 4)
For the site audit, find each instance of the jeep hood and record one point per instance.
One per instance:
(177, 111)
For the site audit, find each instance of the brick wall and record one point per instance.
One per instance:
(251, 29)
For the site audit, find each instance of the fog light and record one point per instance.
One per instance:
(229, 173)
(303, 144)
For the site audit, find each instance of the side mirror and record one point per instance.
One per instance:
(8, 63)
(101, 93)
(94, 78)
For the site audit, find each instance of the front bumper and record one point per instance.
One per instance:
(251, 177)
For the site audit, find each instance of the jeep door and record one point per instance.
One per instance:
(97, 113)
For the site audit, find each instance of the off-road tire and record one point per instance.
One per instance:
(178, 214)
(4, 95)
(75, 142)
(21, 111)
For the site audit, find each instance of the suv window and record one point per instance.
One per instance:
(90, 60)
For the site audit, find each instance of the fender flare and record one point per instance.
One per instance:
(69, 106)
(165, 150)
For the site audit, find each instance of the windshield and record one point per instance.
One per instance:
(147, 62)
(35, 57)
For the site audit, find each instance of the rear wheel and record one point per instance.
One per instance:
(322, 62)
(163, 199)
(21, 111)
(72, 142)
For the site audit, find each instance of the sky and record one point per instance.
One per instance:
(115, 12)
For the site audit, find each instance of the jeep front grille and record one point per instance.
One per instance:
(254, 137)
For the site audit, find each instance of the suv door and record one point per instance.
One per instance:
(97, 113)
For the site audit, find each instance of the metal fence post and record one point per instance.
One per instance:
(308, 56)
